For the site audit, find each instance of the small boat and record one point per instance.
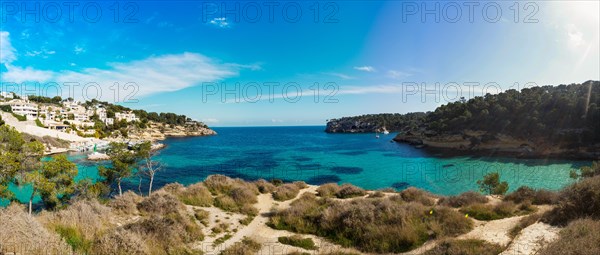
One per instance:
(377, 135)
(385, 132)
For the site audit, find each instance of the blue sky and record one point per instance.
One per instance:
(363, 56)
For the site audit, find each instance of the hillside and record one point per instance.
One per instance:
(370, 123)
(549, 121)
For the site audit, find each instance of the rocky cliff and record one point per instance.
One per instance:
(471, 142)
(159, 131)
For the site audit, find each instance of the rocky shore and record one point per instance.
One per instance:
(483, 143)
(158, 132)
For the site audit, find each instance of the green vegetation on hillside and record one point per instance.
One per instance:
(564, 113)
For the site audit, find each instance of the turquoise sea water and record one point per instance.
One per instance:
(311, 155)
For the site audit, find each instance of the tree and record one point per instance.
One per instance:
(149, 167)
(122, 164)
(491, 184)
(11, 143)
(29, 171)
(60, 174)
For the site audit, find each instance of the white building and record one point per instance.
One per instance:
(129, 116)
(25, 108)
(7, 95)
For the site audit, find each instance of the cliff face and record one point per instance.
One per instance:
(471, 142)
(159, 131)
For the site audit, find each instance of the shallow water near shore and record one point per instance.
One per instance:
(311, 155)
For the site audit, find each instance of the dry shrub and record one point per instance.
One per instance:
(298, 241)
(167, 234)
(580, 237)
(523, 223)
(494, 212)
(464, 199)
(246, 247)
(465, 247)
(196, 195)
(349, 190)
(218, 184)
(286, 192)
(264, 186)
(85, 218)
(380, 225)
(161, 203)
(234, 195)
(413, 194)
(173, 188)
(202, 216)
(120, 242)
(226, 203)
(446, 222)
(242, 195)
(22, 233)
(376, 194)
(300, 184)
(126, 203)
(328, 190)
(579, 200)
(536, 197)
(169, 226)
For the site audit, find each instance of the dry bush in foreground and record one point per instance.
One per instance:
(464, 199)
(233, 195)
(328, 190)
(120, 242)
(578, 200)
(246, 247)
(196, 195)
(160, 203)
(286, 192)
(499, 211)
(349, 190)
(167, 234)
(580, 237)
(298, 241)
(80, 223)
(413, 194)
(371, 225)
(264, 186)
(465, 247)
(536, 197)
(126, 203)
(21, 233)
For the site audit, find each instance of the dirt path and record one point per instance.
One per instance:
(531, 239)
(259, 231)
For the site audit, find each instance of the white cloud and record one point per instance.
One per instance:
(7, 52)
(220, 22)
(79, 49)
(379, 89)
(365, 68)
(152, 75)
(397, 74)
(341, 76)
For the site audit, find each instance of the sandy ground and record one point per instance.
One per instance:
(529, 241)
(532, 239)
(257, 229)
